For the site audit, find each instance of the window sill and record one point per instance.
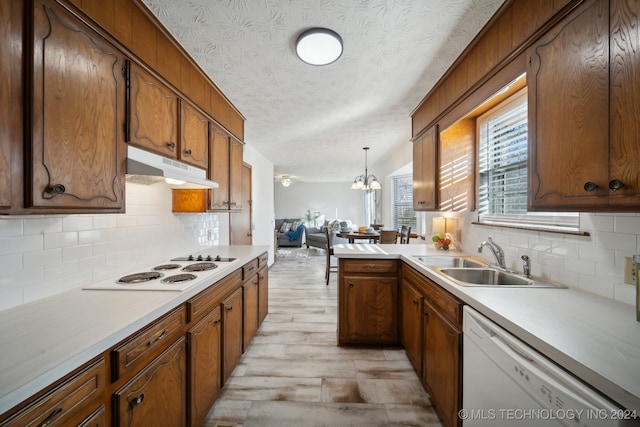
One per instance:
(557, 230)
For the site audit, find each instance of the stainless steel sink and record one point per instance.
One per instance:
(491, 277)
(449, 261)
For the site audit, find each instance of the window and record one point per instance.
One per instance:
(502, 168)
(403, 213)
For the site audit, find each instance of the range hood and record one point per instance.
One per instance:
(144, 167)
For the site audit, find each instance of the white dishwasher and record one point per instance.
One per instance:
(507, 383)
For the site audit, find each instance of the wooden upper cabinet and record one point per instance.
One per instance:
(76, 149)
(425, 160)
(219, 168)
(153, 114)
(194, 136)
(225, 168)
(624, 110)
(235, 174)
(583, 110)
(11, 16)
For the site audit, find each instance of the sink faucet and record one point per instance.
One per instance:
(526, 266)
(496, 250)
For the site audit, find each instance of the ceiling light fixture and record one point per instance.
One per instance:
(286, 181)
(366, 181)
(319, 46)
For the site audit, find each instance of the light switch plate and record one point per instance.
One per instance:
(629, 271)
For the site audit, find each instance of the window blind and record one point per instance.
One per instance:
(403, 213)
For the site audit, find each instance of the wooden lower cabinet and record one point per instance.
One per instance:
(205, 380)
(231, 333)
(263, 293)
(158, 394)
(367, 302)
(97, 419)
(73, 402)
(432, 337)
(442, 364)
(250, 323)
(411, 324)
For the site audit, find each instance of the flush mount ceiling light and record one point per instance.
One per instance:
(319, 46)
(366, 181)
(286, 181)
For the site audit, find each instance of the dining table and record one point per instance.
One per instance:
(352, 236)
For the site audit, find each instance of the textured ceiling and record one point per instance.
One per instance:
(312, 122)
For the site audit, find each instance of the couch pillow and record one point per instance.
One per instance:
(295, 225)
(284, 227)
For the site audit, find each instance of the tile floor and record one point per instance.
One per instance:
(294, 374)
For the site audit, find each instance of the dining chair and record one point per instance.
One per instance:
(388, 236)
(405, 233)
(329, 250)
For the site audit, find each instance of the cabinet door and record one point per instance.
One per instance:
(263, 294)
(11, 30)
(425, 160)
(235, 175)
(231, 333)
(153, 114)
(219, 168)
(442, 364)
(412, 325)
(568, 90)
(625, 102)
(157, 395)
(250, 310)
(194, 136)
(368, 310)
(205, 343)
(76, 148)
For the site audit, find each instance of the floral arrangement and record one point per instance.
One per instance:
(442, 241)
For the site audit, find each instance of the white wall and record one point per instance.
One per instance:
(324, 197)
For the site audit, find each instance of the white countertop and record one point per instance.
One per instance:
(46, 339)
(595, 338)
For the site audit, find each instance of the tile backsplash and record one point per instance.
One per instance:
(48, 254)
(593, 263)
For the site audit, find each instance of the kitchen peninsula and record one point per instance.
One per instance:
(594, 338)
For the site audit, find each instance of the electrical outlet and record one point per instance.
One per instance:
(630, 272)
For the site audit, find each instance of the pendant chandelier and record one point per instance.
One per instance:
(366, 181)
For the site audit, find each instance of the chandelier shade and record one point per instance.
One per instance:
(366, 181)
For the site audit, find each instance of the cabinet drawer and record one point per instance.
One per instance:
(263, 260)
(449, 306)
(249, 268)
(132, 355)
(68, 404)
(208, 299)
(368, 266)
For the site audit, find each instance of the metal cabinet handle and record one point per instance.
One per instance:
(415, 302)
(615, 185)
(217, 322)
(171, 145)
(187, 152)
(50, 418)
(351, 285)
(590, 186)
(138, 400)
(229, 307)
(158, 338)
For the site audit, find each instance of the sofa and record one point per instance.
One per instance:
(315, 235)
(285, 236)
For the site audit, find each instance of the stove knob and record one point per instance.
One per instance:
(209, 258)
(190, 257)
(199, 257)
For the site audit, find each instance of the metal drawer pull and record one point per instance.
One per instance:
(616, 185)
(50, 418)
(138, 400)
(162, 335)
(229, 307)
(590, 186)
(171, 145)
(187, 152)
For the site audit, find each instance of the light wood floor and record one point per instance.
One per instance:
(294, 374)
